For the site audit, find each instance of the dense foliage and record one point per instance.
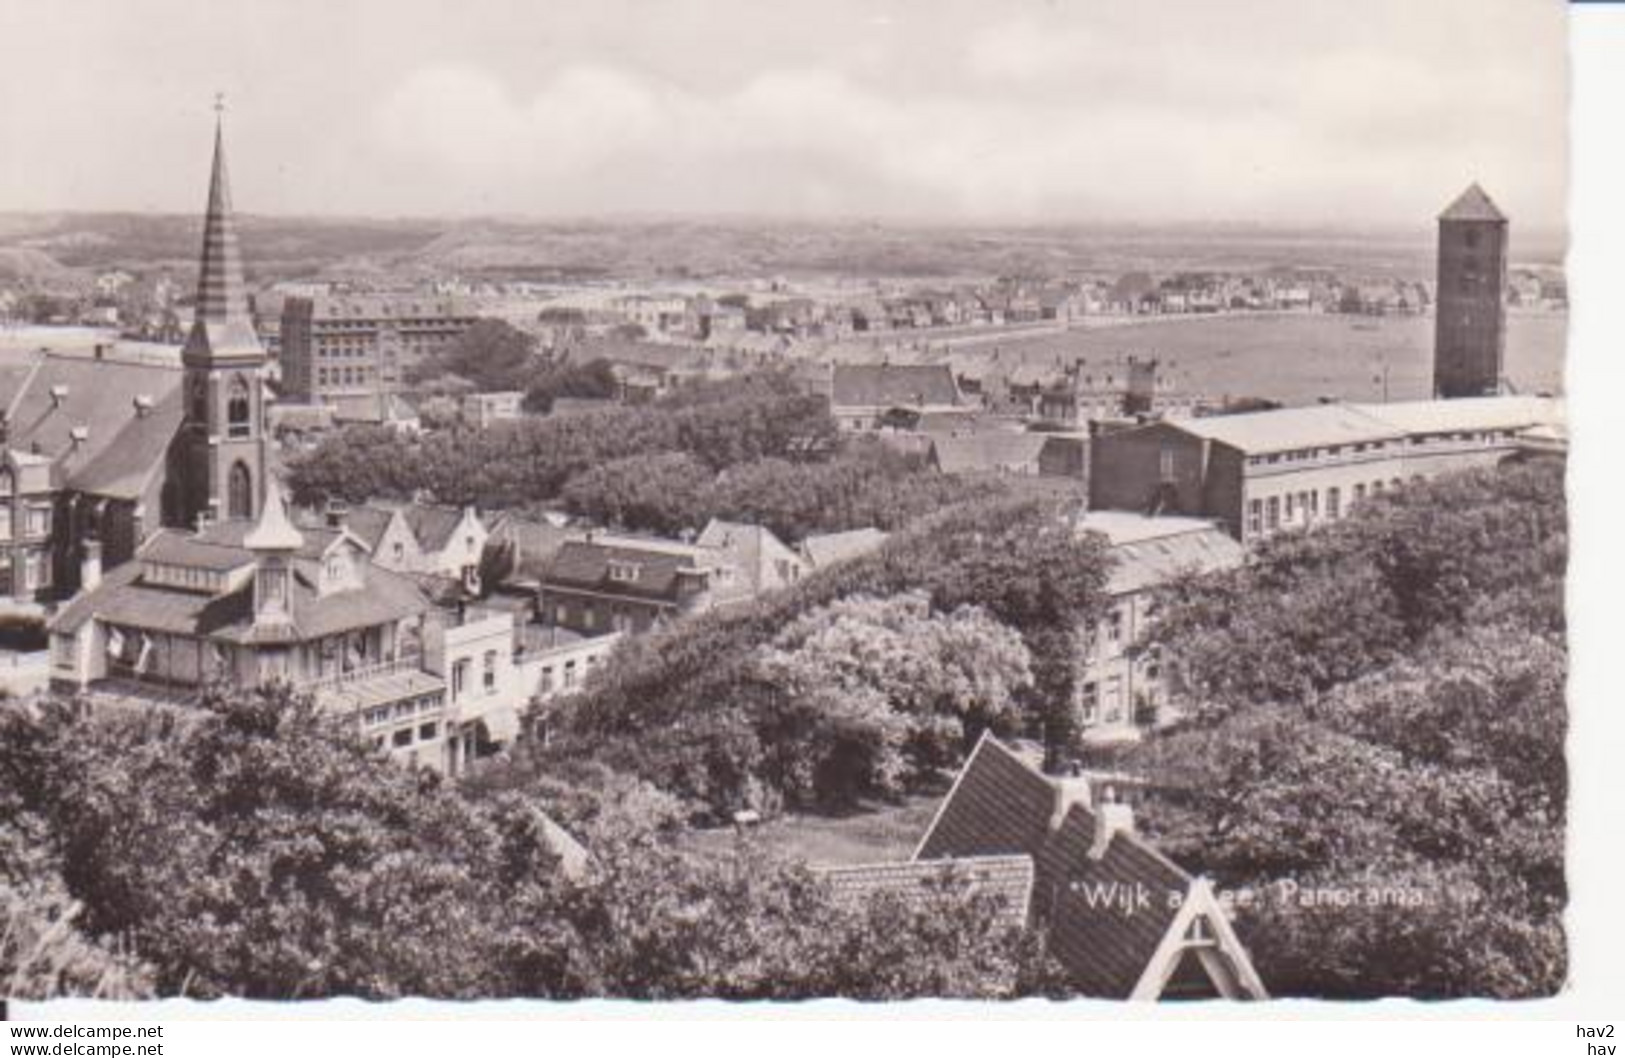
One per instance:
(731, 739)
(259, 851)
(866, 484)
(1380, 763)
(517, 463)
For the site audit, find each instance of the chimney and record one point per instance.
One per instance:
(59, 393)
(143, 405)
(336, 514)
(1071, 788)
(1111, 818)
(90, 566)
(101, 350)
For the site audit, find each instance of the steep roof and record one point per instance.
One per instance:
(368, 523)
(1002, 806)
(222, 325)
(1007, 878)
(866, 385)
(125, 465)
(121, 444)
(432, 524)
(1473, 204)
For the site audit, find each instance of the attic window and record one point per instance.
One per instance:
(625, 572)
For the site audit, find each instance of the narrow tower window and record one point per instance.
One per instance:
(239, 492)
(237, 409)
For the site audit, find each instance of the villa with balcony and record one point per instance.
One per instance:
(247, 604)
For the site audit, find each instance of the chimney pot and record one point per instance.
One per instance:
(90, 566)
(1073, 789)
(1112, 817)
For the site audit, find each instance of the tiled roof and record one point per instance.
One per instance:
(1001, 806)
(432, 524)
(536, 542)
(120, 449)
(1147, 551)
(368, 523)
(123, 597)
(826, 549)
(1105, 946)
(998, 807)
(586, 564)
(124, 467)
(1009, 878)
(184, 549)
(908, 385)
(1473, 204)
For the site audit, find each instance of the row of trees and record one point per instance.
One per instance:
(1379, 764)
(258, 851)
(866, 484)
(753, 450)
(862, 677)
(528, 461)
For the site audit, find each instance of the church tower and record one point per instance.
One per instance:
(1469, 327)
(219, 471)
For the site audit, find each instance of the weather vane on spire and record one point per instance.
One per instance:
(219, 103)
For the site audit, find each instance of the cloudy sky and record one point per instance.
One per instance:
(1296, 111)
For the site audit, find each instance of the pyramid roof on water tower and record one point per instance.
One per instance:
(1473, 204)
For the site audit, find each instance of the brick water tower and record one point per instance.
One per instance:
(1469, 331)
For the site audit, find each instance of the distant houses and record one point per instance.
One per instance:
(870, 397)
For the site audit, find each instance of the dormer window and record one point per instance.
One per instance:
(625, 572)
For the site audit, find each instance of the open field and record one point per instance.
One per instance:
(887, 832)
(1294, 359)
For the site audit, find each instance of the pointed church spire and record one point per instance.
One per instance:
(221, 294)
(222, 327)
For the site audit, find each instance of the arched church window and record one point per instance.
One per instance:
(239, 492)
(237, 409)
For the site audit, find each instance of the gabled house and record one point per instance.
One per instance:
(1123, 920)
(422, 538)
(764, 559)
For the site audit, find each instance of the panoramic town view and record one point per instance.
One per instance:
(680, 603)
